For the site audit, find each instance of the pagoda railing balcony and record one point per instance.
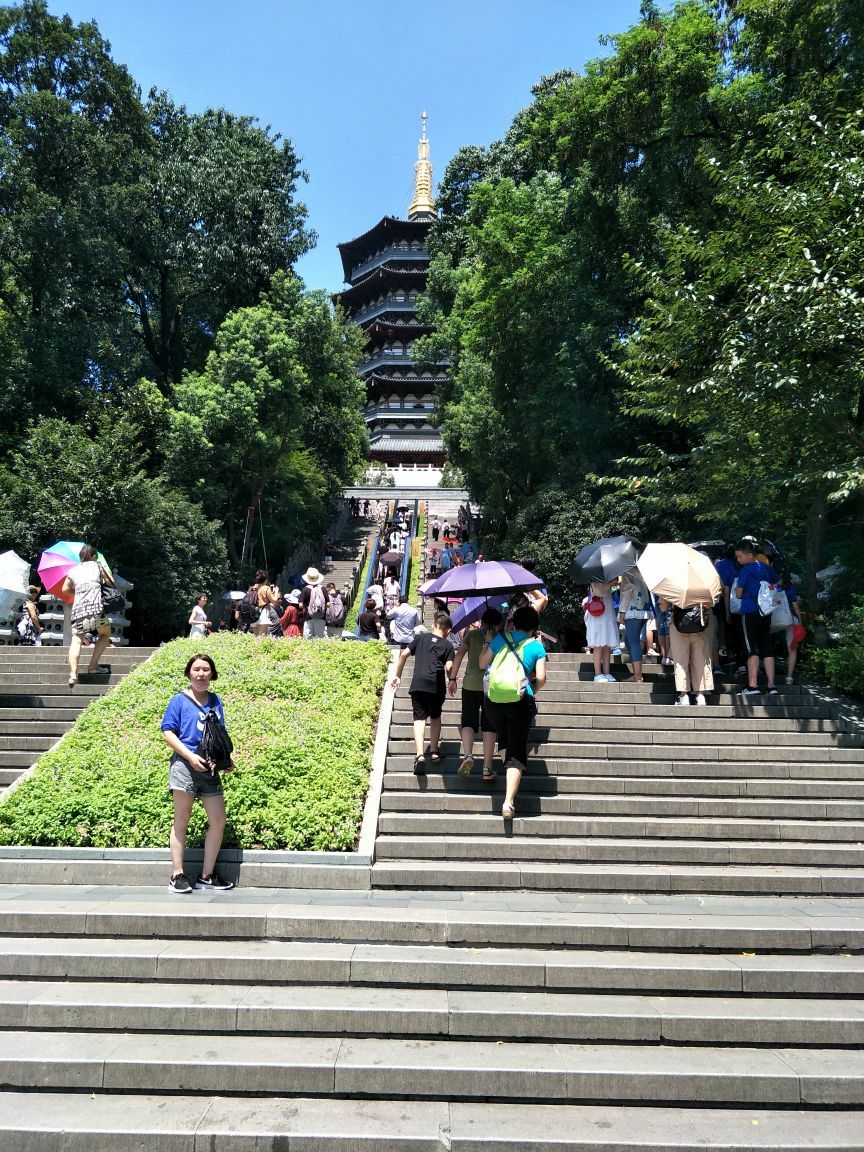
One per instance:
(415, 255)
(390, 305)
(385, 412)
(404, 359)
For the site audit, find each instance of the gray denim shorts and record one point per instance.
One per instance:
(181, 778)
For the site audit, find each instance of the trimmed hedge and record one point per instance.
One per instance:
(353, 617)
(414, 577)
(301, 714)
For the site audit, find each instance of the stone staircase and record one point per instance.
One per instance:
(664, 951)
(37, 706)
(625, 792)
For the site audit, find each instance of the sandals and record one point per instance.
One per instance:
(73, 680)
(488, 775)
(435, 756)
(420, 766)
(467, 766)
(508, 811)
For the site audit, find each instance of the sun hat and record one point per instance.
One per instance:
(312, 576)
(294, 598)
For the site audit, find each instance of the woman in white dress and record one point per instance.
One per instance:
(601, 628)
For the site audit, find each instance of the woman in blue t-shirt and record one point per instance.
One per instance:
(189, 775)
(512, 722)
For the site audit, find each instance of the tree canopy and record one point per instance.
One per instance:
(651, 287)
(162, 369)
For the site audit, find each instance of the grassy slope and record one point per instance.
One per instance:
(301, 715)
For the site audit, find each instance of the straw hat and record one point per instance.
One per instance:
(313, 577)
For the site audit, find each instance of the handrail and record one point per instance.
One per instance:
(370, 575)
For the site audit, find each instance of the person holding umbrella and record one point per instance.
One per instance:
(84, 583)
(633, 610)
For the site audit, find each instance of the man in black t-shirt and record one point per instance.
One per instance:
(433, 659)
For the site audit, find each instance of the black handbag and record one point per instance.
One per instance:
(113, 600)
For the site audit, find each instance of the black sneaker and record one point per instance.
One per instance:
(180, 884)
(213, 883)
(772, 691)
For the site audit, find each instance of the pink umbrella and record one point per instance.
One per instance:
(57, 562)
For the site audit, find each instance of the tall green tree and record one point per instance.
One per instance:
(273, 422)
(216, 217)
(71, 131)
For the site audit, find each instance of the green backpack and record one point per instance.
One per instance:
(506, 679)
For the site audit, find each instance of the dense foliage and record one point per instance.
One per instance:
(651, 291)
(301, 715)
(168, 389)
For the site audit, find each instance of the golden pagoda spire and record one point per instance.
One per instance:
(423, 204)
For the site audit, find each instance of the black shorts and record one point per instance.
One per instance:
(512, 722)
(474, 711)
(426, 705)
(756, 633)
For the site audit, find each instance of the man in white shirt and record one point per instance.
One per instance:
(403, 620)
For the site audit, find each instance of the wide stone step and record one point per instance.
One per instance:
(15, 729)
(551, 732)
(667, 721)
(29, 716)
(648, 1073)
(848, 815)
(380, 1010)
(452, 782)
(761, 708)
(638, 766)
(128, 1123)
(300, 963)
(546, 876)
(687, 749)
(32, 744)
(615, 850)
(67, 700)
(655, 921)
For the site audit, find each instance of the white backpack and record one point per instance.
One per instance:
(317, 603)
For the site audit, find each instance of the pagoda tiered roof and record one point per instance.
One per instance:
(388, 329)
(386, 232)
(377, 282)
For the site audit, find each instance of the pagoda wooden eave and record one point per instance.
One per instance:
(386, 231)
(377, 280)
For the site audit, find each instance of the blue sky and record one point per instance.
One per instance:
(347, 80)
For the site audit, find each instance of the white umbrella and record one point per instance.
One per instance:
(680, 574)
(14, 579)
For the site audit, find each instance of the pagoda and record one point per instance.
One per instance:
(386, 270)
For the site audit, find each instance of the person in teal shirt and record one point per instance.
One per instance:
(512, 722)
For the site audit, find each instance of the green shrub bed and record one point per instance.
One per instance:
(353, 617)
(416, 565)
(301, 714)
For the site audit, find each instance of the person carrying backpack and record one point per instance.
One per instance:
(690, 636)
(314, 602)
(756, 587)
(335, 612)
(515, 663)
(192, 774)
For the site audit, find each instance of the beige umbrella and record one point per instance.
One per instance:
(680, 574)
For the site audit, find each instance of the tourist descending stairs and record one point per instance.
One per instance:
(37, 705)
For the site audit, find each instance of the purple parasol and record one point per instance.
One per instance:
(487, 579)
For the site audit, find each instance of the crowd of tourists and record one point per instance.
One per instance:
(734, 634)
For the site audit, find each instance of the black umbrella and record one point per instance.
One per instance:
(605, 559)
(774, 551)
(392, 559)
(713, 549)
